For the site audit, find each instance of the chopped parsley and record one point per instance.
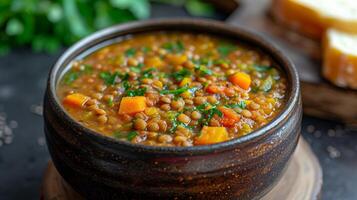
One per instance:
(172, 116)
(179, 75)
(129, 136)
(262, 68)
(241, 105)
(73, 75)
(267, 84)
(208, 113)
(130, 52)
(203, 70)
(148, 73)
(70, 77)
(174, 47)
(225, 49)
(145, 49)
(111, 78)
(110, 102)
(177, 91)
(136, 92)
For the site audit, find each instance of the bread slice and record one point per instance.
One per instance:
(314, 17)
(340, 58)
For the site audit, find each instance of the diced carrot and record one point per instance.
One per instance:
(227, 122)
(211, 135)
(241, 79)
(230, 117)
(176, 59)
(75, 99)
(131, 105)
(185, 81)
(214, 89)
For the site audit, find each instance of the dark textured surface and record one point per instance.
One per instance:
(22, 83)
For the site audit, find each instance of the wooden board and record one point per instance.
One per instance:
(320, 98)
(302, 180)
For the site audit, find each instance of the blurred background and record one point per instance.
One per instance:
(34, 33)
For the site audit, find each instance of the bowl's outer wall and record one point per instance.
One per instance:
(102, 170)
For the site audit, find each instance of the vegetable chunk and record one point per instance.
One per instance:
(230, 117)
(211, 135)
(241, 79)
(131, 105)
(76, 99)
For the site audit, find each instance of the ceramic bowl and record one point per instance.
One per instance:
(100, 167)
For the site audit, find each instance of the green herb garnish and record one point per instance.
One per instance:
(241, 105)
(145, 49)
(208, 113)
(70, 77)
(148, 73)
(267, 84)
(136, 92)
(177, 91)
(109, 78)
(130, 52)
(131, 135)
(225, 49)
(174, 47)
(110, 102)
(73, 75)
(135, 69)
(203, 70)
(262, 68)
(125, 85)
(178, 76)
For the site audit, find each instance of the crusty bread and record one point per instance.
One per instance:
(314, 17)
(340, 58)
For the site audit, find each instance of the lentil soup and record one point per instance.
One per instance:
(173, 89)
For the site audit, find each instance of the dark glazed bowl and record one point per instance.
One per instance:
(100, 167)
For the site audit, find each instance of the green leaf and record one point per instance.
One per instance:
(267, 84)
(14, 27)
(203, 70)
(148, 73)
(179, 75)
(175, 92)
(109, 78)
(241, 105)
(131, 135)
(136, 92)
(225, 49)
(130, 52)
(174, 47)
(55, 13)
(126, 85)
(86, 68)
(199, 8)
(135, 69)
(70, 77)
(74, 19)
(140, 8)
(110, 102)
(262, 68)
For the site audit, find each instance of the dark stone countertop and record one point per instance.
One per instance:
(22, 83)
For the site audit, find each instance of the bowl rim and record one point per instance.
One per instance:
(164, 25)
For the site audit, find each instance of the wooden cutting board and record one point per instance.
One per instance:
(320, 98)
(302, 180)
